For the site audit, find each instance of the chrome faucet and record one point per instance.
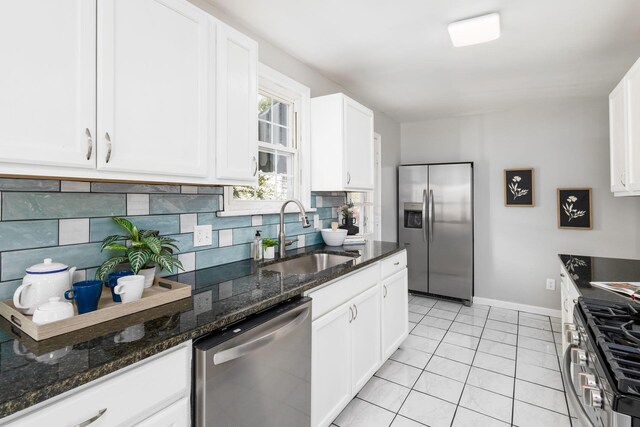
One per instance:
(282, 238)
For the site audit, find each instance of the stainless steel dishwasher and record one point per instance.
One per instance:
(257, 373)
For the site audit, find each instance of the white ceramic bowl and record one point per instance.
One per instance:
(52, 311)
(333, 238)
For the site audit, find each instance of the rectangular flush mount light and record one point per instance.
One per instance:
(476, 30)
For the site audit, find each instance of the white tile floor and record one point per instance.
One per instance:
(467, 366)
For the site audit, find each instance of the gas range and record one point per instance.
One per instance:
(602, 362)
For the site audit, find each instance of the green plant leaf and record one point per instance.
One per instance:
(126, 224)
(153, 243)
(116, 247)
(109, 240)
(138, 257)
(168, 242)
(165, 263)
(108, 266)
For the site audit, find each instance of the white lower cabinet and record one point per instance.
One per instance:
(359, 321)
(395, 312)
(153, 393)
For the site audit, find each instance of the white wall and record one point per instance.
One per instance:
(388, 128)
(567, 144)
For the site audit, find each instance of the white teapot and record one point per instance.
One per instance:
(42, 281)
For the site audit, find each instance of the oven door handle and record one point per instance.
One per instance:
(260, 342)
(582, 415)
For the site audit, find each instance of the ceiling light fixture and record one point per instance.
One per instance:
(480, 29)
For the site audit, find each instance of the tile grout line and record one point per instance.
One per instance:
(515, 373)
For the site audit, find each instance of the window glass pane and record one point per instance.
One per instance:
(264, 107)
(280, 135)
(244, 192)
(266, 189)
(266, 161)
(285, 166)
(280, 112)
(284, 187)
(264, 132)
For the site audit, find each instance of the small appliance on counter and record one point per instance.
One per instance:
(435, 224)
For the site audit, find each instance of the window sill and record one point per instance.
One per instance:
(247, 212)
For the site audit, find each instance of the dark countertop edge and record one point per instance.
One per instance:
(43, 394)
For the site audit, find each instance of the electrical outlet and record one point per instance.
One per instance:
(202, 235)
(316, 222)
(551, 284)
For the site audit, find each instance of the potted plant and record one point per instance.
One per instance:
(269, 247)
(143, 250)
(349, 218)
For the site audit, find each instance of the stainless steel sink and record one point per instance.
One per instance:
(309, 264)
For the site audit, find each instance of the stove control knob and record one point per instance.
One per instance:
(569, 327)
(592, 397)
(587, 380)
(573, 337)
(579, 357)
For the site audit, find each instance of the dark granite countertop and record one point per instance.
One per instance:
(584, 269)
(34, 371)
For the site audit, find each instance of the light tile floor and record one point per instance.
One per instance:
(467, 366)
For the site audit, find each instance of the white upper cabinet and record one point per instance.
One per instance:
(341, 144)
(236, 108)
(153, 87)
(47, 83)
(624, 127)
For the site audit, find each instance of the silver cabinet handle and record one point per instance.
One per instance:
(350, 314)
(432, 214)
(348, 177)
(108, 138)
(396, 263)
(260, 342)
(562, 275)
(622, 178)
(424, 215)
(355, 307)
(255, 166)
(384, 291)
(92, 419)
(87, 133)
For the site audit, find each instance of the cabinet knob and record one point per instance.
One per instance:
(108, 138)
(87, 133)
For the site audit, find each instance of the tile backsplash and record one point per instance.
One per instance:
(67, 220)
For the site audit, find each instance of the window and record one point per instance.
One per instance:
(364, 205)
(283, 171)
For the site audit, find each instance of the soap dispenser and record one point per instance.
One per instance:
(256, 249)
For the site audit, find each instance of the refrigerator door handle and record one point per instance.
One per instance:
(432, 214)
(424, 215)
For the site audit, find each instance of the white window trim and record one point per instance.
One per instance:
(280, 85)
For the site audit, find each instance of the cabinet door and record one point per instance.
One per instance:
(358, 149)
(236, 107)
(47, 82)
(365, 337)
(633, 127)
(176, 415)
(331, 365)
(153, 87)
(395, 312)
(618, 138)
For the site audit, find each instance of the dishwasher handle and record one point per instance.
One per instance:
(260, 342)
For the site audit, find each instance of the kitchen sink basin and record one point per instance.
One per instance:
(309, 264)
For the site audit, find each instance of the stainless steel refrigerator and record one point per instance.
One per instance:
(435, 224)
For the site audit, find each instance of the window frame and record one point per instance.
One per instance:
(276, 84)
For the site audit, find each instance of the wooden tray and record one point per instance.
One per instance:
(162, 292)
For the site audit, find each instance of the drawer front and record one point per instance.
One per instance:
(393, 264)
(128, 397)
(343, 290)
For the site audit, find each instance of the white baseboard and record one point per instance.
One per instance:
(520, 307)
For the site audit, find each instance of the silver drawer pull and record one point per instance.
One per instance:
(92, 419)
(87, 133)
(396, 263)
(108, 138)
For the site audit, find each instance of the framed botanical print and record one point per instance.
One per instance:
(574, 208)
(518, 188)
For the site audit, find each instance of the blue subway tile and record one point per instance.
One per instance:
(247, 234)
(17, 206)
(218, 256)
(11, 184)
(211, 190)
(325, 213)
(313, 239)
(165, 224)
(8, 288)
(28, 234)
(86, 255)
(288, 217)
(221, 223)
(125, 187)
(183, 203)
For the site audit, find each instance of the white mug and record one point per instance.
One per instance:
(130, 288)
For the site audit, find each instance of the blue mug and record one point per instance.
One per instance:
(112, 282)
(86, 294)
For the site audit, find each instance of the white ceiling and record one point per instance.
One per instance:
(397, 56)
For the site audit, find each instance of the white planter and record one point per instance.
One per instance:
(149, 274)
(270, 252)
